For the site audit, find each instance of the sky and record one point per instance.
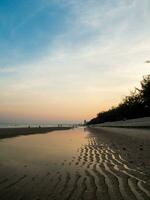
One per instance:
(67, 60)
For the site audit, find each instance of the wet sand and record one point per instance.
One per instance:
(90, 164)
(13, 132)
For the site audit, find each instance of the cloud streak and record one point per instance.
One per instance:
(90, 66)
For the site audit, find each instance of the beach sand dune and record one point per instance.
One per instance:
(90, 164)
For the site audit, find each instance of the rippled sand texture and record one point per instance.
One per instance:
(97, 167)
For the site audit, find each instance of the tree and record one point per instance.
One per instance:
(136, 105)
(145, 91)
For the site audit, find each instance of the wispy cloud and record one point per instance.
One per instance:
(92, 64)
(7, 69)
(28, 17)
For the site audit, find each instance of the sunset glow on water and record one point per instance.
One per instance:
(75, 164)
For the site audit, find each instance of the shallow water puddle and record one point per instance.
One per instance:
(73, 164)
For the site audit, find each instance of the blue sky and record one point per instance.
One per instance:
(66, 60)
(27, 26)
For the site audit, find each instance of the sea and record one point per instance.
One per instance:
(34, 125)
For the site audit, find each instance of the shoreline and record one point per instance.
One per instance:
(130, 123)
(13, 132)
(110, 163)
(116, 126)
(61, 164)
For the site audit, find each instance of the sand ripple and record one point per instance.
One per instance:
(96, 172)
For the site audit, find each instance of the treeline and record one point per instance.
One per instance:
(136, 105)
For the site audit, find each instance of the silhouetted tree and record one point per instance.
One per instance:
(145, 91)
(136, 105)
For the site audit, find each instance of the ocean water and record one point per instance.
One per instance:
(33, 125)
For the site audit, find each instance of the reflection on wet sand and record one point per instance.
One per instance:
(75, 164)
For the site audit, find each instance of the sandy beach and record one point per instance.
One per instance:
(76, 164)
(130, 123)
(12, 132)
